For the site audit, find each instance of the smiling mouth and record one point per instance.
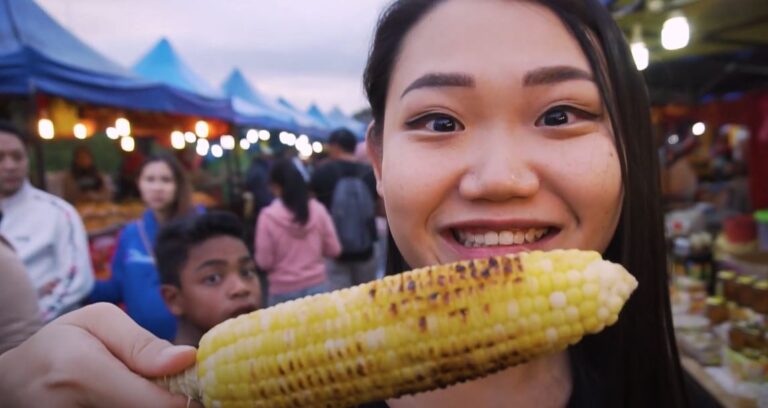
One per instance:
(486, 238)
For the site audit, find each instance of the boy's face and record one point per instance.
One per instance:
(218, 281)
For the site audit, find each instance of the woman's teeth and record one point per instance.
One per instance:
(496, 238)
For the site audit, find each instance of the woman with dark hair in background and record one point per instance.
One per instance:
(293, 235)
(84, 182)
(135, 282)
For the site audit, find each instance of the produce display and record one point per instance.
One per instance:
(413, 332)
(101, 216)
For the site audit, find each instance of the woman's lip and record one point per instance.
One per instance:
(501, 224)
(483, 252)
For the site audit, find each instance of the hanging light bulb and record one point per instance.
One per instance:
(112, 133)
(177, 140)
(190, 137)
(127, 143)
(639, 50)
(80, 131)
(252, 135)
(45, 129)
(305, 150)
(288, 138)
(202, 129)
(123, 127)
(673, 139)
(245, 144)
(227, 142)
(317, 147)
(202, 147)
(698, 128)
(675, 33)
(217, 151)
(264, 135)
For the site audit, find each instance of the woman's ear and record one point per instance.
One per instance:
(374, 147)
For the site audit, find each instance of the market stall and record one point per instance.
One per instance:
(706, 66)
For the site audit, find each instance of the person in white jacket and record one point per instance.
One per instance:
(47, 232)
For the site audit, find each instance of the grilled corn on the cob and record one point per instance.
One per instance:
(412, 332)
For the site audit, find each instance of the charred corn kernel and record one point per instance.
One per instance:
(413, 332)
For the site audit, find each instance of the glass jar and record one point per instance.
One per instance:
(717, 311)
(726, 285)
(760, 297)
(744, 290)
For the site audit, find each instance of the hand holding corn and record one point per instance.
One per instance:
(417, 331)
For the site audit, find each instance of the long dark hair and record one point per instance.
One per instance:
(295, 193)
(636, 360)
(182, 200)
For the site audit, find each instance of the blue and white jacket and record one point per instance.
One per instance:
(135, 281)
(51, 241)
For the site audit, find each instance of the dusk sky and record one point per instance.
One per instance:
(305, 50)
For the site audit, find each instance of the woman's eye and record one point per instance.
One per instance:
(436, 123)
(555, 117)
(563, 115)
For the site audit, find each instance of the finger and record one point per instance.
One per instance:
(137, 348)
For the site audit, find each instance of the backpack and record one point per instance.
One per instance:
(353, 212)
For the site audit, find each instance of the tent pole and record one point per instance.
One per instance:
(37, 144)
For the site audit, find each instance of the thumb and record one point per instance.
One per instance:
(137, 348)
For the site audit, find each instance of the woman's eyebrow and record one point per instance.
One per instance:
(555, 74)
(440, 79)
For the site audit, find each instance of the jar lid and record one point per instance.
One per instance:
(761, 284)
(762, 215)
(715, 301)
(726, 275)
(745, 280)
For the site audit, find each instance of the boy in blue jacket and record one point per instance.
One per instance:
(207, 274)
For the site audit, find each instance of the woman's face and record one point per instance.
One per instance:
(157, 186)
(495, 138)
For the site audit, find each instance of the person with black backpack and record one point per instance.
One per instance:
(347, 188)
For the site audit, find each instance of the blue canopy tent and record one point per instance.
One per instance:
(317, 129)
(251, 108)
(38, 55)
(237, 87)
(340, 120)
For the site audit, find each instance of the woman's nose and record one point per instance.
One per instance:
(499, 170)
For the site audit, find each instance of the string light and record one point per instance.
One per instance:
(698, 128)
(127, 143)
(112, 133)
(675, 33)
(123, 127)
(252, 136)
(80, 131)
(177, 140)
(640, 52)
(227, 142)
(45, 129)
(202, 129)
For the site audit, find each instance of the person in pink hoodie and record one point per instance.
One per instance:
(293, 236)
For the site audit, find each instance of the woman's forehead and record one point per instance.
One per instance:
(486, 37)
